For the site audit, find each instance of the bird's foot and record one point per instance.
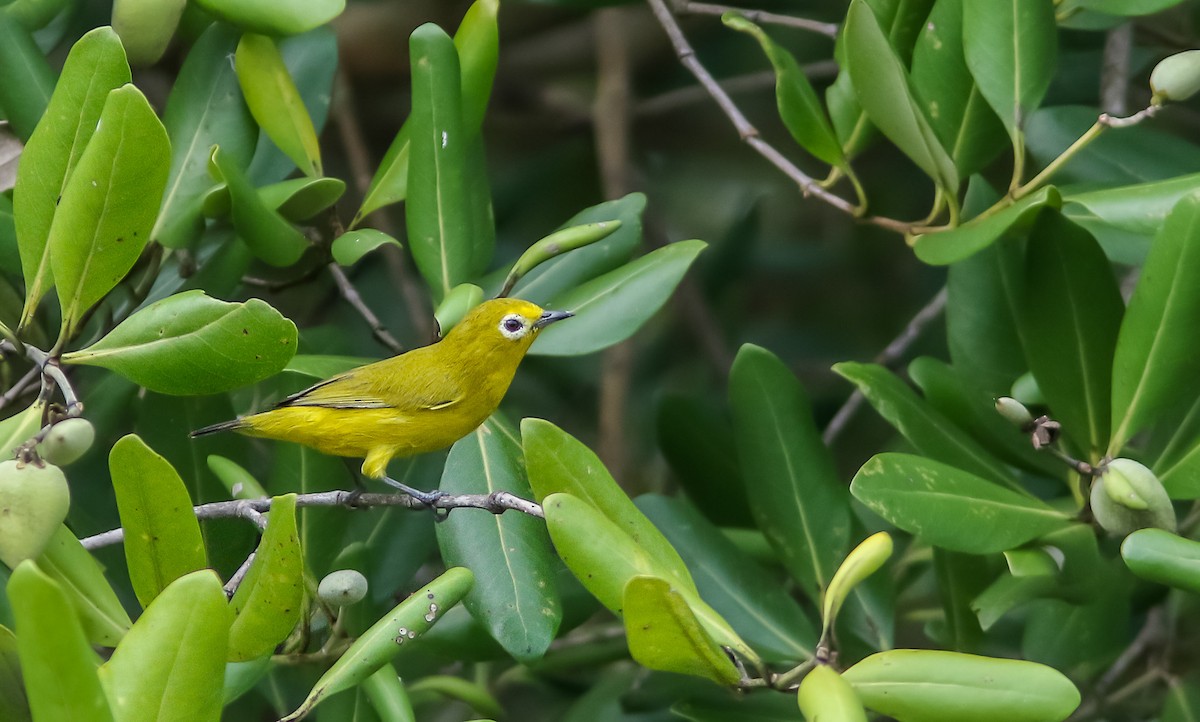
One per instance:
(428, 498)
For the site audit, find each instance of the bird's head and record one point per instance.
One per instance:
(505, 323)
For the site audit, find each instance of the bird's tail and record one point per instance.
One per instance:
(233, 425)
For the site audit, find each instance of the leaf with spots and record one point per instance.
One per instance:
(109, 204)
(191, 344)
(162, 536)
(270, 599)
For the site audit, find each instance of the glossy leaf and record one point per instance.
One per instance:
(95, 65)
(1011, 47)
(882, 86)
(478, 43)
(925, 428)
(612, 307)
(461, 299)
(437, 214)
(557, 462)
(76, 571)
(915, 685)
(962, 119)
(162, 536)
(205, 108)
(744, 593)
(799, 502)
(515, 595)
(561, 275)
(300, 199)
(57, 662)
(1154, 353)
(351, 246)
(269, 236)
(146, 28)
(388, 695)
(28, 79)
(799, 107)
(275, 17)
(270, 600)
(1071, 316)
(14, 705)
(1078, 639)
(109, 203)
(384, 640)
(1157, 555)
(946, 247)
(664, 634)
(825, 694)
(171, 664)
(275, 102)
(693, 436)
(318, 366)
(862, 561)
(949, 507)
(191, 344)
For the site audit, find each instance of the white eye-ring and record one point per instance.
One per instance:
(514, 326)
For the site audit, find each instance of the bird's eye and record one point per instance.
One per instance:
(513, 327)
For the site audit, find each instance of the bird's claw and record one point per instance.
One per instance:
(428, 498)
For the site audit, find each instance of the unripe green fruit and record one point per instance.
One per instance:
(1176, 77)
(68, 440)
(1128, 497)
(1014, 412)
(33, 503)
(342, 588)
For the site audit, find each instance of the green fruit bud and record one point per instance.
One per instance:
(33, 503)
(1014, 412)
(1127, 496)
(342, 588)
(68, 440)
(1176, 77)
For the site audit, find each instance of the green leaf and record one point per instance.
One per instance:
(275, 17)
(915, 685)
(351, 246)
(300, 199)
(1080, 639)
(964, 123)
(1154, 356)
(76, 571)
(190, 344)
(461, 299)
(14, 705)
(799, 107)
(478, 43)
(1071, 317)
(882, 86)
(825, 694)
(109, 204)
(1011, 47)
(95, 66)
(1120, 7)
(693, 437)
(612, 307)
(515, 595)
(439, 222)
(268, 234)
(1139, 208)
(385, 639)
(162, 536)
(664, 634)
(798, 500)
(270, 600)
(925, 427)
(171, 664)
(146, 28)
(57, 662)
(204, 108)
(946, 247)
(745, 594)
(557, 462)
(28, 78)
(318, 366)
(1159, 556)
(275, 102)
(951, 508)
(561, 275)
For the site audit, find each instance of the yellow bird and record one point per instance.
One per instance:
(419, 401)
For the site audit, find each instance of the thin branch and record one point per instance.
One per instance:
(496, 503)
(350, 293)
(829, 30)
(889, 355)
(749, 135)
(1114, 75)
(679, 98)
(20, 387)
(235, 581)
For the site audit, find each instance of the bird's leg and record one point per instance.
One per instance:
(359, 487)
(428, 498)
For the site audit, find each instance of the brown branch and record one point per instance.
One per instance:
(889, 355)
(497, 502)
(20, 387)
(680, 98)
(350, 293)
(829, 30)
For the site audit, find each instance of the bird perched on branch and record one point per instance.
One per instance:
(419, 401)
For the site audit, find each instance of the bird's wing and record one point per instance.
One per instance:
(399, 388)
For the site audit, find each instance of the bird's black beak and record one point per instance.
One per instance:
(549, 317)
